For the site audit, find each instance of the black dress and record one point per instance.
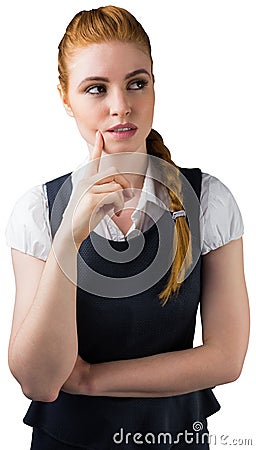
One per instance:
(128, 322)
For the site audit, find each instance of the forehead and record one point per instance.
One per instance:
(108, 59)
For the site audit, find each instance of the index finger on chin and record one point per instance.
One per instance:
(94, 161)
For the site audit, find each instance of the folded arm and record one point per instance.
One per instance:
(219, 360)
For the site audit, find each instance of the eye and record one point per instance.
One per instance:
(96, 90)
(137, 85)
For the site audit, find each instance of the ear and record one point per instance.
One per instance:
(64, 99)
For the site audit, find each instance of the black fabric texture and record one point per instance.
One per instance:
(132, 326)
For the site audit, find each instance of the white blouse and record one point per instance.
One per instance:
(28, 228)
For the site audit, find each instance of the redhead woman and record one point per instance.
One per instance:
(112, 262)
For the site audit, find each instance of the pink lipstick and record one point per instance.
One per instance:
(123, 130)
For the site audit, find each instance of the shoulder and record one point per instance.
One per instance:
(28, 228)
(213, 187)
(31, 202)
(221, 216)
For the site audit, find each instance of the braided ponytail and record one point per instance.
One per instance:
(182, 238)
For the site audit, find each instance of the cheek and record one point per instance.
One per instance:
(84, 115)
(81, 112)
(148, 111)
(86, 125)
(148, 105)
(91, 115)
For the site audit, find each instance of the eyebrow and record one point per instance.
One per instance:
(136, 72)
(106, 80)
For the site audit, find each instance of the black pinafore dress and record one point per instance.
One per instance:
(128, 323)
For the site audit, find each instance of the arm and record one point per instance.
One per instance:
(225, 323)
(43, 342)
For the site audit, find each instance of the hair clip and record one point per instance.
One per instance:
(177, 214)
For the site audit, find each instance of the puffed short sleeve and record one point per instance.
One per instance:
(222, 220)
(28, 228)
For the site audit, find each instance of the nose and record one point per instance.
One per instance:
(119, 104)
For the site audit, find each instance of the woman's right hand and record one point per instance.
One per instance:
(95, 195)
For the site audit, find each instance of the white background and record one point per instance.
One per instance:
(205, 69)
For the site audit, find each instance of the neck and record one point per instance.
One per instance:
(136, 181)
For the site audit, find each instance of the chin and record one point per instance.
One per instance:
(125, 146)
(120, 148)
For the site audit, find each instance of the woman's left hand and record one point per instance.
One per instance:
(78, 381)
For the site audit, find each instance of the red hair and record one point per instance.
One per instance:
(110, 23)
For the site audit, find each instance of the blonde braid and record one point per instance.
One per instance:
(182, 236)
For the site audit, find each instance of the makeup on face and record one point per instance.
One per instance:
(111, 89)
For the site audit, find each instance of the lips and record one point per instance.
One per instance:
(122, 127)
(123, 131)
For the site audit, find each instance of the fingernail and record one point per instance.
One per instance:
(131, 193)
(128, 192)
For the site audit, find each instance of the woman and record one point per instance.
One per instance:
(102, 335)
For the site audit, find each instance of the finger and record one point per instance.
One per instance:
(120, 179)
(127, 192)
(106, 188)
(118, 206)
(104, 191)
(118, 203)
(96, 154)
(106, 202)
(98, 146)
